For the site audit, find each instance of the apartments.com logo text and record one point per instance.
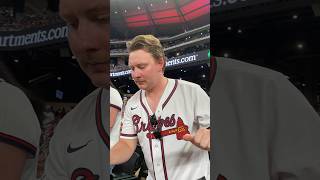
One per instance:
(33, 38)
(176, 61)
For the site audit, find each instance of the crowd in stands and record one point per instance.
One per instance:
(52, 116)
(114, 67)
(121, 48)
(16, 22)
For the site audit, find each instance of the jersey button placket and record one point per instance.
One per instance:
(158, 153)
(157, 159)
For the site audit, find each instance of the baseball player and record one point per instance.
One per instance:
(264, 128)
(80, 144)
(19, 134)
(170, 118)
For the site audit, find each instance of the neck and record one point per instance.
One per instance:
(158, 89)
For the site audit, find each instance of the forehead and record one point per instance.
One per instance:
(139, 56)
(74, 7)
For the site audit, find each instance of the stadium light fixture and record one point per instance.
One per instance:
(300, 46)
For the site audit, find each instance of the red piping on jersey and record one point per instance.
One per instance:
(20, 143)
(150, 145)
(115, 106)
(163, 160)
(173, 90)
(102, 132)
(128, 135)
(150, 142)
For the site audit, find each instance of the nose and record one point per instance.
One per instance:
(89, 39)
(135, 74)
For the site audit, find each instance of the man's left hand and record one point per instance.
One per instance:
(201, 139)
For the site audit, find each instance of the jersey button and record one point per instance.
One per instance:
(156, 145)
(158, 164)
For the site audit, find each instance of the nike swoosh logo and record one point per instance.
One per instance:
(133, 108)
(74, 149)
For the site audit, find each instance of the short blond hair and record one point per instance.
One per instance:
(150, 44)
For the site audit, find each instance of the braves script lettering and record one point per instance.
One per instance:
(141, 126)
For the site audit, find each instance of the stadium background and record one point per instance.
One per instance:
(281, 35)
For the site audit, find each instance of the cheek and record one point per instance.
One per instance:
(74, 44)
(101, 36)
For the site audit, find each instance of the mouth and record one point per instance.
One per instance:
(97, 67)
(139, 82)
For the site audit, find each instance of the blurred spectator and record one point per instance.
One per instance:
(26, 20)
(52, 116)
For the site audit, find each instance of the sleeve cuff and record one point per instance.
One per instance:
(19, 143)
(128, 136)
(115, 106)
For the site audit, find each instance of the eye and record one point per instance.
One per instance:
(102, 18)
(141, 66)
(72, 24)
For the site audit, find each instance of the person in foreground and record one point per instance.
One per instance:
(169, 118)
(19, 134)
(80, 144)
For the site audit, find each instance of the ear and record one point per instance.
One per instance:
(161, 62)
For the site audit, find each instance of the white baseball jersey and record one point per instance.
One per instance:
(264, 128)
(183, 108)
(19, 125)
(115, 102)
(80, 144)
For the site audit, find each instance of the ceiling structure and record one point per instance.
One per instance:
(159, 17)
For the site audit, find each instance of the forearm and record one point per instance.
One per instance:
(113, 116)
(122, 151)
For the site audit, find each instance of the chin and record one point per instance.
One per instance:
(100, 80)
(143, 87)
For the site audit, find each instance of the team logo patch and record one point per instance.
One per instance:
(177, 127)
(83, 174)
(179, 131)
(220, 177)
